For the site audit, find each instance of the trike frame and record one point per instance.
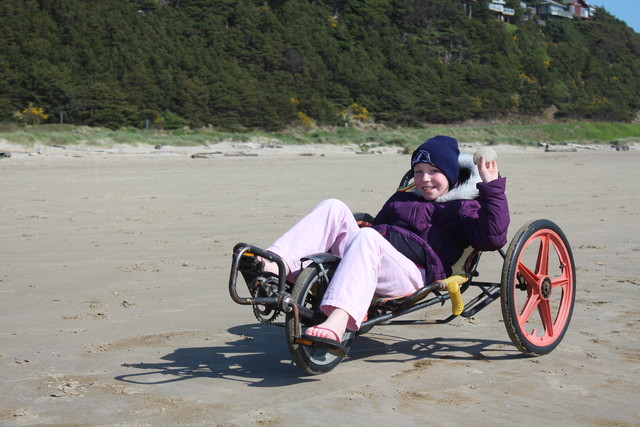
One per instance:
(526, 287)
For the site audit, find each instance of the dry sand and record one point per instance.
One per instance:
(115, 309)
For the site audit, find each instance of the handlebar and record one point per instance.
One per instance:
(243, 248)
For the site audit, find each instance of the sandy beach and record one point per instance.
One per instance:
(115, 308)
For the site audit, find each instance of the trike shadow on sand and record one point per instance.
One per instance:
(254, 359)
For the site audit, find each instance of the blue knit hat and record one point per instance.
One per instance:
(442, 152)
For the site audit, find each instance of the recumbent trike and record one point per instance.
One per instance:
(537, 293)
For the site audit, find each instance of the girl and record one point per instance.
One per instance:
(415, 238)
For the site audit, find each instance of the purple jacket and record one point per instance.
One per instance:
(435, 234)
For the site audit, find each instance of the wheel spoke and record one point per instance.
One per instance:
(529, 276)
(560, 282)
(544, 308)
(542, 264)
(533, 293)
(530, 305)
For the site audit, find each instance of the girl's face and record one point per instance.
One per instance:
(430, 182)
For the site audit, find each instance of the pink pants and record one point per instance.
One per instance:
(370, 264)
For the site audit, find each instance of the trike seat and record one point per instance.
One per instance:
(451, 284)
(462, 271)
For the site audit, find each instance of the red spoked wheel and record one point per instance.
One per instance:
(538, 287)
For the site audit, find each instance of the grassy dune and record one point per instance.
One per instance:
(490, 134)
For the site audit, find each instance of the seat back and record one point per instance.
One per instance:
(406, 183)
(467, 262)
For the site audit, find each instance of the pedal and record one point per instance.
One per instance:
(250, 267)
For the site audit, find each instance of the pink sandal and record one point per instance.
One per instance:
(333, 346)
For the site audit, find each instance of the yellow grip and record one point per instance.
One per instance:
(453, 287)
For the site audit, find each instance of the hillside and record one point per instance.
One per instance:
(246, 64)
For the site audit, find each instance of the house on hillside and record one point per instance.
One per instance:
(549, 9)
(580, 8)
(544, 9)
(499, 8)
(528, 8)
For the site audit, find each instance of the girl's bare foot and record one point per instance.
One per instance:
(333, 328)
(272, 266)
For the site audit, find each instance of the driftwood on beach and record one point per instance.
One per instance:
(572, 148)
(206, 155)
(559, 148)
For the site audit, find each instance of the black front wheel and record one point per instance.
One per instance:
(308, 292)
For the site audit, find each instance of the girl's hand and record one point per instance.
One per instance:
(488, 170)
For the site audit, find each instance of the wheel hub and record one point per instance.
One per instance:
(545, 288)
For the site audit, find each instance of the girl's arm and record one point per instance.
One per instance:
(488, 170)
(489, 230)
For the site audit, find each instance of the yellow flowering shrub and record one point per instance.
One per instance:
(306, 121)
(356, 112)
(32, 115)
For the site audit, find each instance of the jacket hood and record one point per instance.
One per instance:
(466, 188)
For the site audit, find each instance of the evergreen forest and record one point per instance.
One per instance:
(271, 64)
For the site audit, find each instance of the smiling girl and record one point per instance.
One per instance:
(414, 240)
